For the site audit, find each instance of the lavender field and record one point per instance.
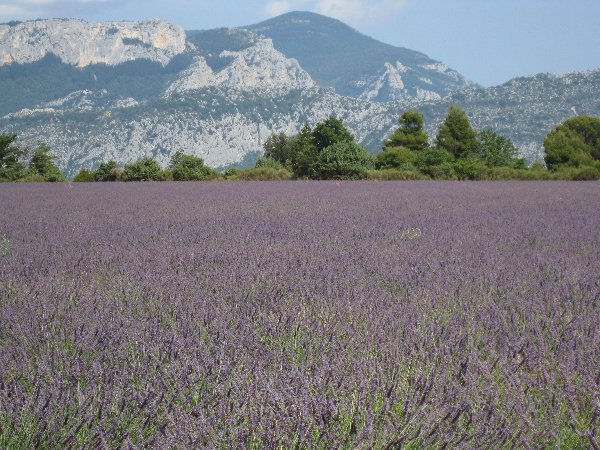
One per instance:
(295, 315)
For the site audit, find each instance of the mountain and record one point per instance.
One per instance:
(351, 64)
(220, 93)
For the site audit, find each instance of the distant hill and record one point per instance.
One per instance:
(340, 58)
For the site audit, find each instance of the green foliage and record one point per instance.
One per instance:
(11, 168)
(42, 164)
(584, 173)
(393, 174)
(455, 134)
(262, 174)
(329, 132)
(344, 161)
(396, 158)
(410, 134)
(310, 143)
(84, 175)
(431, 159)
(467, 168)
(573, 143)
(28, 85)
(496, 150)
(264, 162)
(145, 169)
(166, 175)
(215, 175)
(107, 171)
(279, 147)
(31, 177)
(304, 153)
(188, 167)
(231, 172)
(4, 245)
(176, 159)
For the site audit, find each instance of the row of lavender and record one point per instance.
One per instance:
(300, 315)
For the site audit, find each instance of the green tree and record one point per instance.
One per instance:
(145, 169)
(436, 161)
(329, 132)
(264, 162)
(84, 175)
(410, 134)
(188, 167)
(496, 150)
(176, 159)
(304, 152)
(42, 163)
(344, 161)
(455, 134)
(11, 168)
(279, 147)
(107, 171)
(396, 158)
(573, 143)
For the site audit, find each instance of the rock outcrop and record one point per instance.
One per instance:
(81, 43)
(258, 66)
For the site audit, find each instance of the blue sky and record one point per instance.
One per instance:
(488, 41)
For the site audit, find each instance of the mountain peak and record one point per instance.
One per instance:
(342, 59)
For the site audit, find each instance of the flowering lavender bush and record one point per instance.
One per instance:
(300, 315)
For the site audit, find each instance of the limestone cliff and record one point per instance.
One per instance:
(81, 43)
(258, 66)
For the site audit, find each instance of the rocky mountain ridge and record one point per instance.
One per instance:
(257, 66)
(82, 43)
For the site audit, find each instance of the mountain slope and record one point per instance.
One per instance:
(352, 64)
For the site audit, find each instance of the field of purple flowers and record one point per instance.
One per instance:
(295, 315)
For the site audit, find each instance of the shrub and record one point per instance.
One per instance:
(231, 172)
(146, 169)
(467, 168)
(264, 162)
(215, 176)
(396, 157)
(106, 171)
(263, 174)
(430, 160)
(166, 175)
(445, 171)
(33, 178)
(84, 175)
(585, 173)
(190, 168)
(393, 174)
(343, 161)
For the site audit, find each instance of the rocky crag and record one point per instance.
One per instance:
(82, 43)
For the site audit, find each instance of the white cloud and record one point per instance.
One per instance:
(361, 11)
(277, 8)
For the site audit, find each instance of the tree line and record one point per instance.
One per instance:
(330, 151)
(24, 164)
